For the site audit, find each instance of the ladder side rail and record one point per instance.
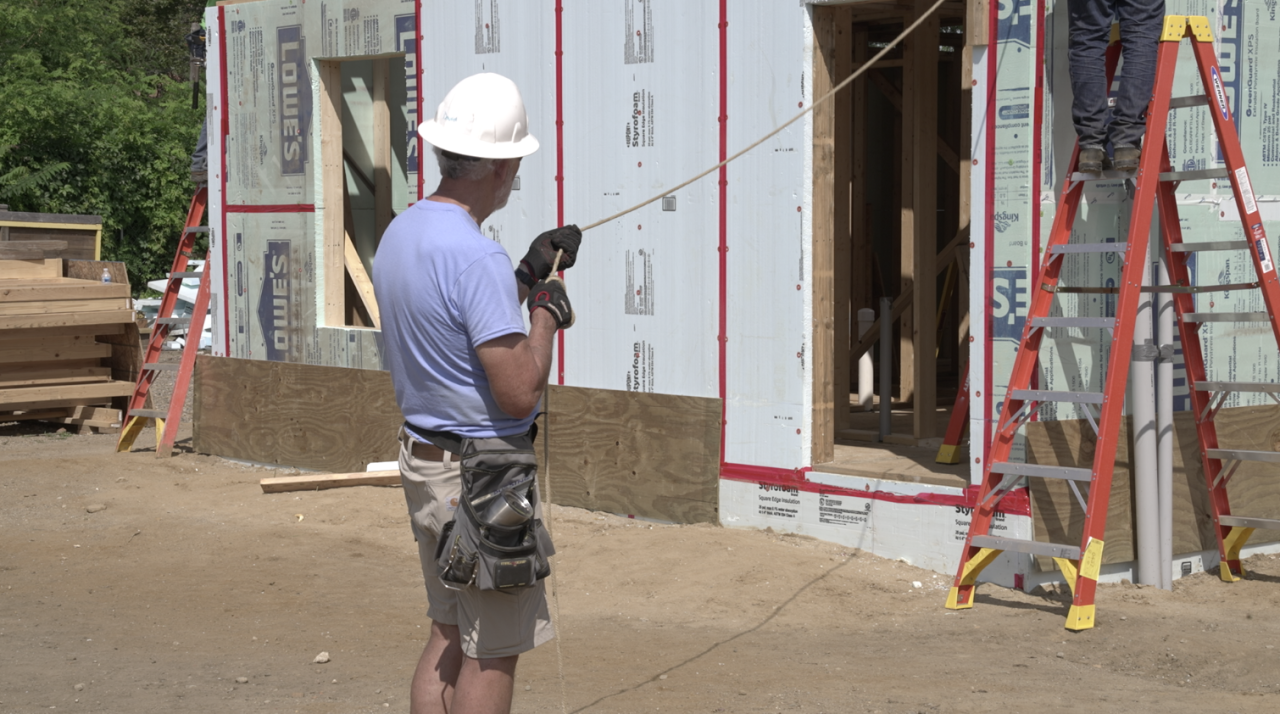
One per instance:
(1117, 375)
(1268, 283)
(183, 379)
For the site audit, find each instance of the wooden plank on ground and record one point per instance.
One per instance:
(43, 268)
(52, 351)
(317, 482)
(332, 419)
(62, 319)
(636, 453)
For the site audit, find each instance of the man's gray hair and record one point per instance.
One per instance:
(462, 168)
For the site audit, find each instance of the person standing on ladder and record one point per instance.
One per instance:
(468, 379)
(1089, 34)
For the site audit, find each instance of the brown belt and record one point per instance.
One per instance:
(421, 449)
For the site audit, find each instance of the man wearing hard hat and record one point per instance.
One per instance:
(468, 377)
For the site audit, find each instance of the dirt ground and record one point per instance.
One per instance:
(132, 584)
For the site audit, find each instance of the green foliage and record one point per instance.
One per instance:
(96, 117)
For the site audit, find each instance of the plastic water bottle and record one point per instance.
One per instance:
(106, 275)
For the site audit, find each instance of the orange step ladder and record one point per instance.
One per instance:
(1155, 182)
(166, 420)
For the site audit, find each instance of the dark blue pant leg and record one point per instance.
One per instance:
(1088, 35)
(1140, 24)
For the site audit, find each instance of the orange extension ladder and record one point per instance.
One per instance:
(1155, 182)
(166, 420)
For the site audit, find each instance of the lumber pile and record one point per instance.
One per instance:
(56, 351)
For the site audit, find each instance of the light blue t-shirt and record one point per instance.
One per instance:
(443, 288)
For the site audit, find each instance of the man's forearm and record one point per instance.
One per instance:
(542, 332)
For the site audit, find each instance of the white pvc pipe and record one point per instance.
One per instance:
(1142, 407)
(866, 370)
(1164, 423)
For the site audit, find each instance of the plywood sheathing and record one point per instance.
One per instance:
(634, 453)
(650, 455)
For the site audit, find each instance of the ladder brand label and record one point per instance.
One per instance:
(295, 99)
(1219, 93)
(1246, 190)
(1264, 250)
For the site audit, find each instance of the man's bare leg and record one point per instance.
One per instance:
(436, 678)
(484, 686)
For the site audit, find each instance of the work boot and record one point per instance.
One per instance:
(1126, 158)
(1090, 161)
(200, 178)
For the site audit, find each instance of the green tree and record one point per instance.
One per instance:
(96, 117)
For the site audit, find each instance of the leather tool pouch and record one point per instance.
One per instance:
(476, 551)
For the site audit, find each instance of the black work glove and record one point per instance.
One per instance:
(550, 295)
(536, 264)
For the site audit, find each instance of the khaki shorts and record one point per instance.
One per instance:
(492, 623)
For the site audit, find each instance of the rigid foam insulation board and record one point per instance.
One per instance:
(921, 524)
(266, 224)
(1020, 199)
(640, 89)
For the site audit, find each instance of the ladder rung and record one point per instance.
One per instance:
(198, 229)
(1238, 387)
(1068, 473)
(1246, 522)
(1105, 322)
(1210, 245)
(183, 276)
(173, 321)
(1270, 457)
(149, 413)
(1079, 176)
(1090, 248)
(1017, 545)
(1195, 175)
(1199, 100)
(1045, 396)
(1198, 288)
(162, 367)
(1226, 317)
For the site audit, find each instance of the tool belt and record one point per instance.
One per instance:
(494, 542)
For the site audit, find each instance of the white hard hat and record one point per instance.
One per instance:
(482, 116)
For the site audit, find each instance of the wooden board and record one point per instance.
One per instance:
(46, 307)
(22, 398)
(84, 376)
(822, 436)
(1254, 490)
(62, 319)
(56, 292)
(52, 350)
(332, 419)
(33, 249)
(38, 332)
(650, 455)
(317, 482)
(331, 274)
(43, 268)
(92, 270)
